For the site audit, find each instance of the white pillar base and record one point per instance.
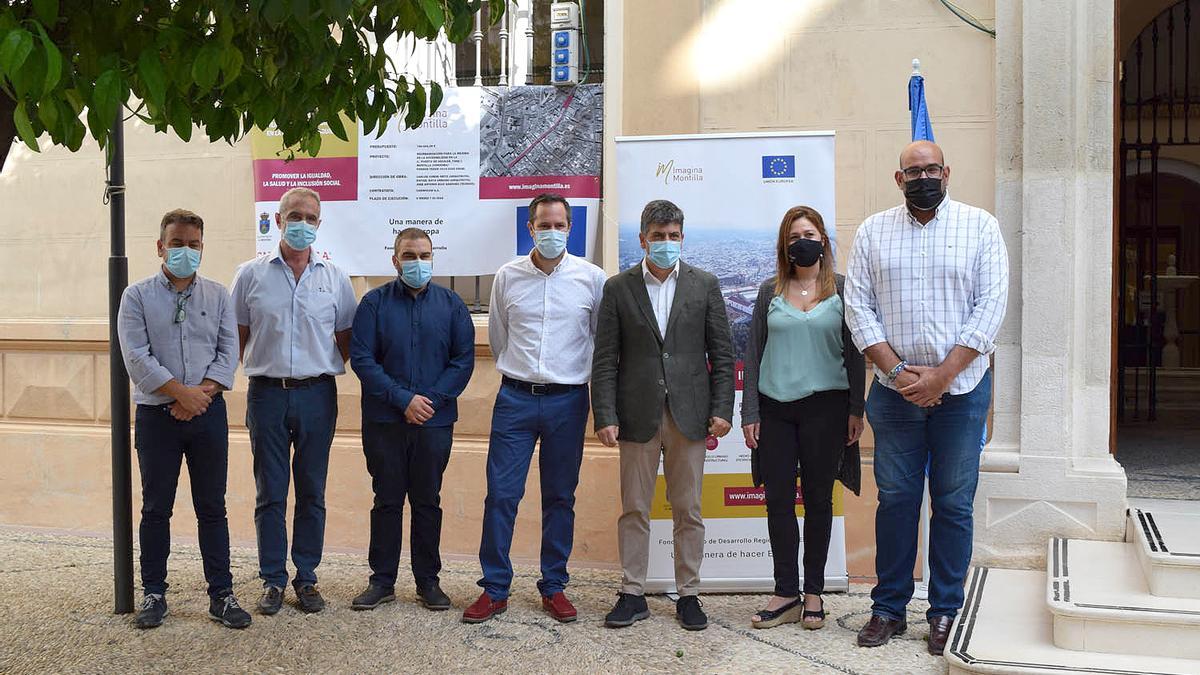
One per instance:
(1017, 513)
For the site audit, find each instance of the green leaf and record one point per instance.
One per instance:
(48, 114)
(312, 144)
(150, 69)
(263, 109)
(207, 66)
(180, 118)
(46, 11)
(433, 10)
(275, 12)
(336, 126)
(54, 59)
(106, 97)
(25, 127)
(231, 63)
(301, 10)
(495, 11)
(75, 100)
(14, 50)
(75, 133)
(29, 80)
(435, 97)
(416, 106)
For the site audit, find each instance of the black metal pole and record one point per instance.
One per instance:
(122, 478)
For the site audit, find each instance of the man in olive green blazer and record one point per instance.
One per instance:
(662, 380)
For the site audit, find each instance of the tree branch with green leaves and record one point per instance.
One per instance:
(67, 67)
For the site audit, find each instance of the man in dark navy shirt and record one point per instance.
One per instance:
(413, 349)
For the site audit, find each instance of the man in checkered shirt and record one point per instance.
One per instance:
(926, 289)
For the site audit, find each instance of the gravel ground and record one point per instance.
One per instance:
(56, 594)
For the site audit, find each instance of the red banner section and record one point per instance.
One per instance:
(751, 496)
(334, 178)
(528, 187)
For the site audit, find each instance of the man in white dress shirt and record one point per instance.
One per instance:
(926, 289)
(541, 323)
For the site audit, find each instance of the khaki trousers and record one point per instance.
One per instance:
(683, 466)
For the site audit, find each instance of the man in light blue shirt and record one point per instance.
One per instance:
(177, 337)
(294, 312)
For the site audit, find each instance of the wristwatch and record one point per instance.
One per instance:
(895, 372)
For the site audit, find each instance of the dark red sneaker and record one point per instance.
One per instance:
(559, 607)
(483, 609)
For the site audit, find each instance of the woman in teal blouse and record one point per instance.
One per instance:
(802, 409)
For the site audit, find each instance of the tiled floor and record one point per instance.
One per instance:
(1162, 459)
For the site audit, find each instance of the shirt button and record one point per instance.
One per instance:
(666, 355)
(661, 382)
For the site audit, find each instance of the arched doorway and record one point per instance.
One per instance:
(1158, 257)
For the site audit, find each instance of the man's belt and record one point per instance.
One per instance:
(289, 382)
(538, 388)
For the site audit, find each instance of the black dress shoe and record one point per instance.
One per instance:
(939, 631)
(689, 614)
(310, 599)
(271, 601)
(373, 597)
(879, 630)
(629, 608)
(433, 598)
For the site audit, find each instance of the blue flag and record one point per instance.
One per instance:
(922, 130)
(779, 166)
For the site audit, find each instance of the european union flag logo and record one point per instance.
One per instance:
(779, 166)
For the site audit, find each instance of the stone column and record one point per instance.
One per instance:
(1048, 471)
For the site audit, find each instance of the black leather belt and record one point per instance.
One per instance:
(289, 382)
(540, 389)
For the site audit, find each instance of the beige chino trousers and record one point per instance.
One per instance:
(683, 466)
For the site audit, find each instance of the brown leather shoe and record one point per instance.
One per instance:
(939, 631)
(879, 630)
(559, 607)
(484, 608)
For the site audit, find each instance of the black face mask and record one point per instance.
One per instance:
(805, 252)
(924, 194)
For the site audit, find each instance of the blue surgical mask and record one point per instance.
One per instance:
(416, 273)
(664, 254)
(299, 234)
(550, 243)
(182, 261)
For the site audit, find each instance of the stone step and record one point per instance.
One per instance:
(1168, 548)
(1101, 602)
(1004, 627)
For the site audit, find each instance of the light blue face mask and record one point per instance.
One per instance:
(550, 243)
(182, 261)
(416, 273)
(664, 254)
(299, 234)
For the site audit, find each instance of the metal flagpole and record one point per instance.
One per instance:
(118, 279)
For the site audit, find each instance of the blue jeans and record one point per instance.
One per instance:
(162, 443)
(519, 420)
(277, 419)
(906, 437)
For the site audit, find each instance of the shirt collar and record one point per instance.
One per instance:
(562, 264)
(937, 212)
(313, 257)
(166, 281)
(646, 273)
